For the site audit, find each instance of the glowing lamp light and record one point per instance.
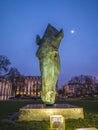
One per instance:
(21, 92)
(17, 92)
(57, 122)
(24, 92)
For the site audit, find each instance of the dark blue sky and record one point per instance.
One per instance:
(21, 20)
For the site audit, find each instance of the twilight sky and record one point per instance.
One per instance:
(22, 20)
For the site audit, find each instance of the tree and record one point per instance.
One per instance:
(60, 92)
(4, 64)
(82, 79)
(84, 84)
(12, 75)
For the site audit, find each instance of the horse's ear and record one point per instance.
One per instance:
(38, 40)
(60, 34)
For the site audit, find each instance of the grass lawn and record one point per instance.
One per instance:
(90, 114)
(90, 120)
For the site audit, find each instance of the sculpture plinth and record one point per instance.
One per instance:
(39, 112)
(49, 62)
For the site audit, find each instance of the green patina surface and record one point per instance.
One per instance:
(49, 62)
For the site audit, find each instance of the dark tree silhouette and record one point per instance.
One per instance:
(12, 74)
(82, 79)
(4, 64)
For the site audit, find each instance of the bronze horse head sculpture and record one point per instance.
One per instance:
(49, 62)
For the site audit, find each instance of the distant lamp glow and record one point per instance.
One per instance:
(57, 122)
(72, 31)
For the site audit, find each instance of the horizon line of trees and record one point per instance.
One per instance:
(11, 73)
(83, 79)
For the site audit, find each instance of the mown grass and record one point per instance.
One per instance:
(90, 120)
(9, 107)
(90, 106)
(90, 113)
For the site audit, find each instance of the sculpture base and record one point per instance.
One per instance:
(86, 129)
(39, 112)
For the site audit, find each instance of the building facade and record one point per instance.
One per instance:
(76, 90)
(28, 85)
(5, 88)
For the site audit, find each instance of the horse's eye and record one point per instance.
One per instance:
(55, 55)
